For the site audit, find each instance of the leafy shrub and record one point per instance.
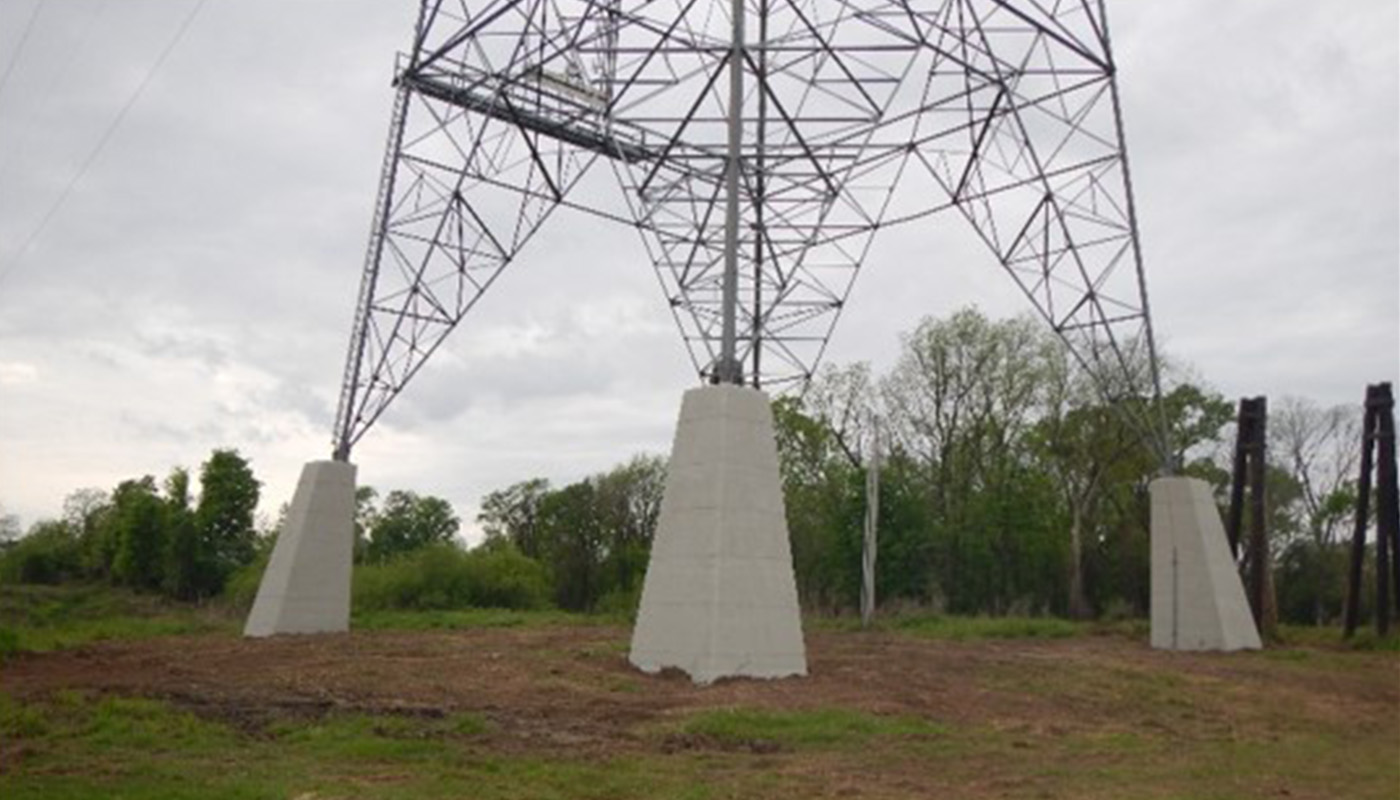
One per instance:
(242, 586)
(445, 577)
(621, 603)
(503, 577)
(9, 643)
(49, 554)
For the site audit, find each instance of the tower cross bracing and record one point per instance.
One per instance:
(834, 119)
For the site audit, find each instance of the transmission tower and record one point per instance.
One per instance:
(758, 153)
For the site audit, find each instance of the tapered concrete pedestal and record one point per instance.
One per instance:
(306, 588)
(719, 598)
(1198, 601)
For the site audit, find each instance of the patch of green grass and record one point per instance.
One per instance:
(959, 628)
(1325, 646)
(380, 735)
(1288, 654)
(362, 738)
(1309, 764)
(78, 746)
(9, 643)
(1331, 637)
(19, 721)
(468, 618)
(31, 605)
(1369, 641)
(1134, 629)
(123, 724)
(44, 618)
(76, 634)
(821, 728)
(976, 628)
(110, 724)
(962, 628)
(1137, 762)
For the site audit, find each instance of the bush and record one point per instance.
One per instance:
(9, 643)
(445, 577)
(621, 602)
(49, 554)
(503, 577)
(241, 588)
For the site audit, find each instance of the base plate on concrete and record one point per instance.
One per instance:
(719, 598)
(306, 588)
(1198, 601)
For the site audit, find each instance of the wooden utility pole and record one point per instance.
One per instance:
(1378, 438)
(1244, 432)
(1250, 472)
(1387, 512)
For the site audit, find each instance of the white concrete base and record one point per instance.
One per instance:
(1198, 601)
(719, 598)
(306, 588)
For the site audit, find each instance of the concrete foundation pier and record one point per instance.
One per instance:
(719, 598)
(1198, 601)
(306, 588)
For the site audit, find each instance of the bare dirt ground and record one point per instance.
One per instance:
(568, 690)
(572, 686)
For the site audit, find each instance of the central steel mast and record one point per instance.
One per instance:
(729, 369)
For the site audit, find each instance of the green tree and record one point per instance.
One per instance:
(823, 495)
(628, 504)
(224, 517)
(366, 513)
(189, 567)
(1319, 448)
(572, 531)
(48, 553)
(138, 523)
(407, 522)
(959, 400)
(512, 514)
(905, 522)
(1089, 446)
(1117, 557)
(87, 511)
(10, 530)
(594, 536)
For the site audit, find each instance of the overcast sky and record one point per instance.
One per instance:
(195, 288)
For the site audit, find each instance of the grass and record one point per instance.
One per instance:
(1137, 727)
(37, 619)
(42, 618)
(45, 618)
(1365, 639)
(78, 746)
(820, 728)
(470, 618)
(977, 628)
(955, 628)
(367, 737)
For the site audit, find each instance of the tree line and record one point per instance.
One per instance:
(1007, 486)
(149, 536)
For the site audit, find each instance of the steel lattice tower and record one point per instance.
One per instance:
(758, 154)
